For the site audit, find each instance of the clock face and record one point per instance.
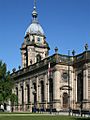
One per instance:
(65, 76)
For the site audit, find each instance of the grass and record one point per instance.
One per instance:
(40, 117)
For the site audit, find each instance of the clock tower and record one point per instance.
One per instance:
(34, 48)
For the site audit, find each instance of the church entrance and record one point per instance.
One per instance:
(65, 100)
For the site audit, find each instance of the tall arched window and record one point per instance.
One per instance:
(42, 91)
(51, 89)
(17, 94)
(22, 93)
(80, 87)
(35, 95)
(28, 94)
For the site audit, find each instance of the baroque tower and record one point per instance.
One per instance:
(34, 47)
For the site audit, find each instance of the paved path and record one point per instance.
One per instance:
(31, 114)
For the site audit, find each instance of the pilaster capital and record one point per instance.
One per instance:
(56, 68)
(21, 84)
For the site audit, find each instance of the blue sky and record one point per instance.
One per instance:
(66, 24)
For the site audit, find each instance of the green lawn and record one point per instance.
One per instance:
(42, 117)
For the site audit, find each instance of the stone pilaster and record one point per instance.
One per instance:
(56, 89)
(71, 92)
(39, 95)
(31, 94)
(74, 89)
(85, 83)
(48, 90)
(37, 88)
(85, 86)
(19, 97)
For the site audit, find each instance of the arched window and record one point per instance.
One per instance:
(17, 94)
(38, 58)
(80, 87)
(34, 93)
(22, 93)
(38, 39)
(51, 89)
(28, 93)
(42, 91)
(64, 76)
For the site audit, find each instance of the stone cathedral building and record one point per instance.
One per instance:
(44, 82)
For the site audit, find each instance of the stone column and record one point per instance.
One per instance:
(39, 95)
(48, 100)
(76, 87)
(19, 97)
(37, 88)
(56, 89)
(72, 83)
(31, 95)
(85, 85)
(27, 90)
(37, 92)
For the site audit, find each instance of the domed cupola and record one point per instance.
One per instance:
(34, 48)
(35, 27)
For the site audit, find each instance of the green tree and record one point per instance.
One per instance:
(6, 85)
(13, 99)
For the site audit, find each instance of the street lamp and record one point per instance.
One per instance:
(73, 53)
(69, 81)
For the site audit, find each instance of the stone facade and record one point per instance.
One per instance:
(56, 82)
(35, 88)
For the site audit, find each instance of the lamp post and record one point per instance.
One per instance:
(69, 81)
(47, 94)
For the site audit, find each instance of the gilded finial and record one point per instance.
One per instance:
(34, 13)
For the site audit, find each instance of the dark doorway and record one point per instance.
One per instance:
(65, 100)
